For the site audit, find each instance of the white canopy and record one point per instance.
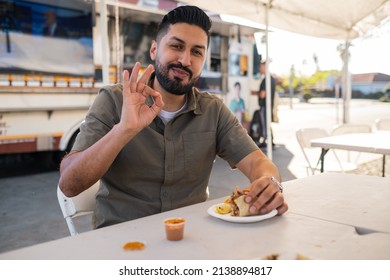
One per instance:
(331, 19)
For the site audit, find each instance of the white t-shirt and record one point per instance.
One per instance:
(166, 116)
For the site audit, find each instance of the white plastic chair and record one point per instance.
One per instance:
(351, 128)
(382, 124)
(312, 154)
(82, 204)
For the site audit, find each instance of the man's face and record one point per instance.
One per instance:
(50, 17)
(262, 68)
(238, 90)
(179, 57)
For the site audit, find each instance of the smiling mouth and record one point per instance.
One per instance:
(180, 73)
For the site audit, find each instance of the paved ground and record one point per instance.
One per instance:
(29, 212)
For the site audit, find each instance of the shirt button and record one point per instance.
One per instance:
(165, 194)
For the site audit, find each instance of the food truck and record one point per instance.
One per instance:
(48, 81)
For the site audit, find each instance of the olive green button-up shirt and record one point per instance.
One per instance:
(165, 166)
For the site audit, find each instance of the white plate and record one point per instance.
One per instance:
(243, 220)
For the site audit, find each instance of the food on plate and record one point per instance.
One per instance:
(242, 208)
(135, 245)
(235, 204)
(239, 206)
(223, 208)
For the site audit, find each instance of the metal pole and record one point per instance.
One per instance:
(291, 94)
(347, 83)
(268, 88)
(118, 46)
(337, 96)
(103, 28)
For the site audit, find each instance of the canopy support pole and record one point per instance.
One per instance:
(347, 92)
(268, 86)
(118, 44)
(103, 23)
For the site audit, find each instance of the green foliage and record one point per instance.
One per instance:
(307, 96)
(385, 98)
(375, 95)
(304, 85)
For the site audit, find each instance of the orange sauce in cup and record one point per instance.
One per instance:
(174, 228)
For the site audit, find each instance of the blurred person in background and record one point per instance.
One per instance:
(52, 28)
(263, 108)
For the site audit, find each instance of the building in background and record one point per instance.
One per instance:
(370, 83)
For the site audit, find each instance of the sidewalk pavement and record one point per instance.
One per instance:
(30, 214)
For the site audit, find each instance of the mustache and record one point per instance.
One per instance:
(180, 66)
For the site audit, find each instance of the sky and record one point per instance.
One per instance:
(367, 54)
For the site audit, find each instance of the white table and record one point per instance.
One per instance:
(355, 200)
(376, 142)
(325, 211)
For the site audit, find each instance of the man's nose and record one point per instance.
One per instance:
(185, 58)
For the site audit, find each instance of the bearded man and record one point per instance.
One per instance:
(152, 140)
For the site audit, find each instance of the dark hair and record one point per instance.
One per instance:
(185, 14)
(237, 84)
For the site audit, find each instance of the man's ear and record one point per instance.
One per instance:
(153, 50)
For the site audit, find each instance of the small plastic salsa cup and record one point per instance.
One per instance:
(174, 228)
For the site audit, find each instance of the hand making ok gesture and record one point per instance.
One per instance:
(136, 114)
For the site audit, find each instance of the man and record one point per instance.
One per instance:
(152, 141)
(263, 107)
(52, 28)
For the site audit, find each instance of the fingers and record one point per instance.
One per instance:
(143, 80)
(132, 82)
(158, 102)
(282, 209)
(264, 196)
(275, 202)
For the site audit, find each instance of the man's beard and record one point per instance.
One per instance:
(175, 85)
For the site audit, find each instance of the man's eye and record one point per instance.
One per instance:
(178, 47)
(197, 53)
